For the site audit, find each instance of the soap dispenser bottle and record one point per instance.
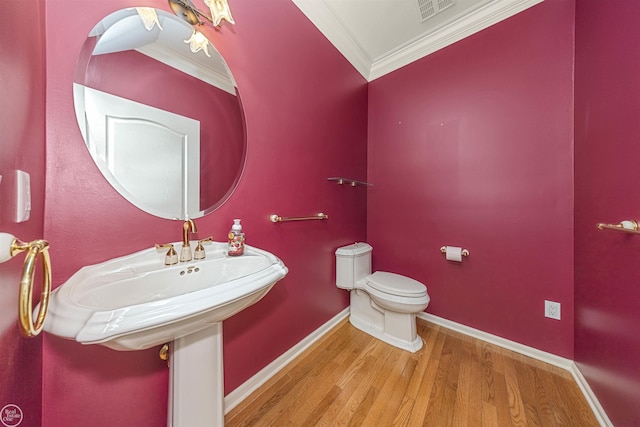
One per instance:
(236, 239)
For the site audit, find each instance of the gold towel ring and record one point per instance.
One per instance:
(28, 327)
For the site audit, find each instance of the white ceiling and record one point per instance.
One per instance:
(380, 36)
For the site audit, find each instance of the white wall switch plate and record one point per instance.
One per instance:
(23, 196)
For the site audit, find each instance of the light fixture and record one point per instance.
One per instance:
(186, 10)
(198, 42)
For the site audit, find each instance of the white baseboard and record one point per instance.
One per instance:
(543, 356)
(232, 399)
(597, 409)
(532, 352)
(244, 390)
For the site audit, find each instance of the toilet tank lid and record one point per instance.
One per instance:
(357, 248)
(395, 284)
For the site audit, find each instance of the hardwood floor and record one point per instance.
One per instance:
(351, 379)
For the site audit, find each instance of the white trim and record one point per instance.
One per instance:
(338, 33)
(543, 356)
(232, 399)
(216, 75)
(597, 409)
(464, 27)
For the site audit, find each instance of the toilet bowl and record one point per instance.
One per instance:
(383, 304)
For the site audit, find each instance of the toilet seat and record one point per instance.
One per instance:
(396, 285)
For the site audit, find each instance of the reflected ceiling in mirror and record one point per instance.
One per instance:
(163, 124)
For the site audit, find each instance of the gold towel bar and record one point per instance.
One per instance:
(34, 249)
(275, 218)
(628, 226)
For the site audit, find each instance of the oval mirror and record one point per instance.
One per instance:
(161, 117)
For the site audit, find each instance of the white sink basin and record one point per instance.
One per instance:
(135, 302)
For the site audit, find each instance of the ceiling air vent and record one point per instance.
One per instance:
(430, 8)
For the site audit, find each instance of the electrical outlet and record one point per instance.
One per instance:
(552, 309)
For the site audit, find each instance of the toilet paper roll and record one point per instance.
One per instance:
(454, 253)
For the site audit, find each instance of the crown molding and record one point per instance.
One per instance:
(338, 34)
(461, 28)
(217, 74)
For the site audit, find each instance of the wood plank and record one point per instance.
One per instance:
(527, 382)
(357, 392)
(310, 407)
(320, 380)
(396, 404)
(516, 405)
(475, 386)
(443, 393)
(422, 396)
(273, 394)
(461, 407)
(386, 400)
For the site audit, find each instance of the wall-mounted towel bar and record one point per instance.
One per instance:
(10, 247)
(275, 218)
(351, 182)
(627, 226)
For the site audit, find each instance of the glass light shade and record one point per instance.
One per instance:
(149, 17)
(219, 11)
(198, 42)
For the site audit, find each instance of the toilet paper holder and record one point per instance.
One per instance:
(465, 252)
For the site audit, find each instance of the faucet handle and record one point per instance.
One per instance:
(171, 256)
(199, 253)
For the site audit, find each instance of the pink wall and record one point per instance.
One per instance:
(472, 147)
(22, 142)
(607, 276)
(305, 109)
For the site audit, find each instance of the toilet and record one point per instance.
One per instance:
(383, 304)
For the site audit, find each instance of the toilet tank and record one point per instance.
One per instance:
(353, 262)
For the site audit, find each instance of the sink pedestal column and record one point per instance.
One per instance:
(196, 380)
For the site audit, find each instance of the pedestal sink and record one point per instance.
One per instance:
(136, 302)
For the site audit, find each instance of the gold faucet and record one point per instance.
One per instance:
(187, 227)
